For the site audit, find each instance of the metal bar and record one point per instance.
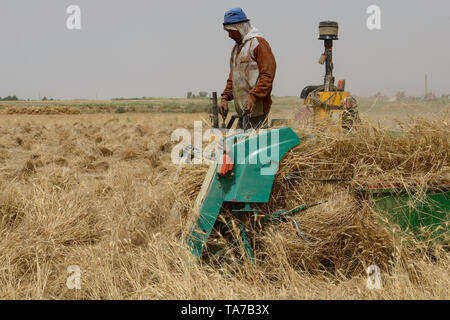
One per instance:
(247, 246)
(297, 226)
(215, 111)
(244, 122)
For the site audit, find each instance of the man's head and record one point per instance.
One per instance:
(235, 35)
(236, 24)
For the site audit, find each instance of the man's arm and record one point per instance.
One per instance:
(267, 67)
(227, 94)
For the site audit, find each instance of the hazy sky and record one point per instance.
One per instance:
(135, 48)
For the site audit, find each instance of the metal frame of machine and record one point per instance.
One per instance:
(243, 182)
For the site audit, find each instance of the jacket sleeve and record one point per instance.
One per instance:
(267, 67)
(227, 94)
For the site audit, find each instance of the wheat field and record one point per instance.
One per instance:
(99, 191)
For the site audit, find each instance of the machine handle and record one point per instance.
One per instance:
(224, 117)
(238, 116)
(215, 111)
(244, 121)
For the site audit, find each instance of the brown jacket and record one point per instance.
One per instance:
(267, 68)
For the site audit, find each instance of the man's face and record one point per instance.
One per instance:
(235, 35)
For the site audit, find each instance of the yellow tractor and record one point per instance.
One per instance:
(327, 105)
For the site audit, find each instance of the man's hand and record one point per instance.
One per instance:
(248, 105)
(223, 108)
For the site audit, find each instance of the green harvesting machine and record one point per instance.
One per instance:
(241, 179)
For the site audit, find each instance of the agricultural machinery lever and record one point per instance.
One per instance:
(215, 111)
(215, 116)
(238, 116)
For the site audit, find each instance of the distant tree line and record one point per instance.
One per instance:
(143, 98)
(9, 98)
(201, 94)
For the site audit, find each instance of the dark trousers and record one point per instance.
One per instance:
(255, 122)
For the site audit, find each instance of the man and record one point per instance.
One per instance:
(252, 71)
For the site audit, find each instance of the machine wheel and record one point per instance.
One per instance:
(350, 116)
